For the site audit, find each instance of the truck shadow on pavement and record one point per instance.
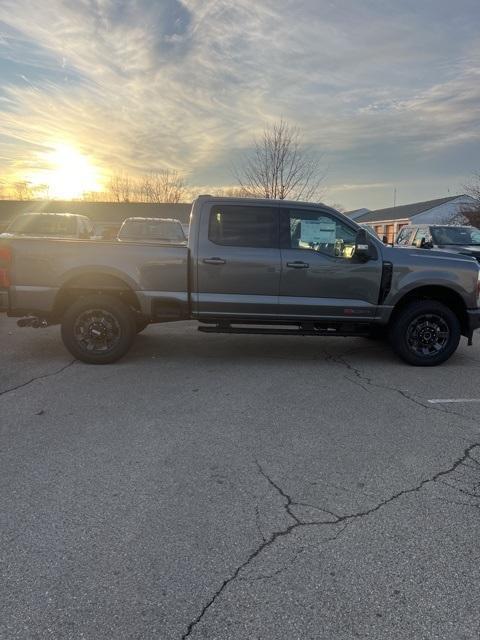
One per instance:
(184, 344)
(192, 345)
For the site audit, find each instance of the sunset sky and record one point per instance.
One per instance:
(387, 92)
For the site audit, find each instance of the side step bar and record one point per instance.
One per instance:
(302, 330)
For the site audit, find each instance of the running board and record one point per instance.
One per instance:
(297, 331)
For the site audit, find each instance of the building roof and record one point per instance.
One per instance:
(356, 213)
(403, 211)
(106, 212)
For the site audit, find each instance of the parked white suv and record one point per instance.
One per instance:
(50, 225)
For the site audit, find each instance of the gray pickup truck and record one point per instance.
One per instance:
(250, 266)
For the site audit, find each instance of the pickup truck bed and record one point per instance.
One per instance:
(250, 266)
(46, 271)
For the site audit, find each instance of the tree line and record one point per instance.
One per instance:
(156, 186)
(279, 165)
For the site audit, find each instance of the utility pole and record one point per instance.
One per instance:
(395, 197)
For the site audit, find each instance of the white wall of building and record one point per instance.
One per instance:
(444, 213)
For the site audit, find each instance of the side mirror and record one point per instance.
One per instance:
(362, 247)
(385, 239)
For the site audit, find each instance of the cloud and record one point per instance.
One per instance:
(147, 85)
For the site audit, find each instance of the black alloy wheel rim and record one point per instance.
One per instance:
(428, 335)
(97, 331)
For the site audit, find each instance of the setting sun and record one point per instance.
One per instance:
(68, 173)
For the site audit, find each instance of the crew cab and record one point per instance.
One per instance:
(250, 266)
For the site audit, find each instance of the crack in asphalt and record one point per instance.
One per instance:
(284, 495)
(274, 536)
(46, 375)
(257, 522)
(365, 381)
(362, 378)
(344, 520)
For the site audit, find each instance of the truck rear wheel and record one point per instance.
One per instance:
(425, 333)
(98, 329)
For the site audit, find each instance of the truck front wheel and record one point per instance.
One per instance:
(140, 325)
(425, 333)
(98, 329)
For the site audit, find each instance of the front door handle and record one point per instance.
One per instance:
(298, 264)
(214, 261)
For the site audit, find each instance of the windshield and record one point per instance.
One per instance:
(456, 235)
(43, 225)
(168, 230)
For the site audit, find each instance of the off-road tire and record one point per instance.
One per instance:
(108, 315)
(431, 318)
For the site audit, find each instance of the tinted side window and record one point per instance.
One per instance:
(52, 225)
(244, 226)
(319, 231)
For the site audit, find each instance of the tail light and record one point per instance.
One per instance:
(5, 260)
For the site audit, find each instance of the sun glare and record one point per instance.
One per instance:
(68, 173)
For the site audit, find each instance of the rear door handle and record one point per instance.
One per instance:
(298, 264)
(214, 261)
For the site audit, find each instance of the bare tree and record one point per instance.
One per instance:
(40, 191)
(162, 186)
(96, 196)
(120, 188)
(233, 192)
(473, 188)
(280, 166)
(471, 213)
(22, 190)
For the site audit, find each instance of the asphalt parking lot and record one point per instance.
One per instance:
(246, 487)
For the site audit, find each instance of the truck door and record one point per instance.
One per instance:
(238, 261)
(321, 277)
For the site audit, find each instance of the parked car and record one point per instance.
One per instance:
(52, 225)
(152, 230)
(459, 239)
(251, 266)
